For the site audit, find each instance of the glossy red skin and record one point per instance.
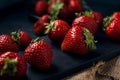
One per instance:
(7, 44)
(116, 15)
(113, 30)
(39, 54)
(24, 38)
(74, 41)
(21, 63)
(64, 13)
(39, 26)
(75, 6)
(86, 21)
(41, 7)
(98, 17)
(58, 34)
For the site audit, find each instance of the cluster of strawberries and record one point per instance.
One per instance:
(54, 22)
(77, 39)
(13, 65)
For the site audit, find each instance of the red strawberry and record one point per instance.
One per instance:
(41, 7)
(113, 30)
(7, 44)
(109, 19)
(64, 13)
(75, 6)
(86, 21)
(98, 17)
(12, 65)
(58, 10)
(57, 30)
(39, 26)
(22, 38)
(116, 15)
(78, 40)
(39, 54)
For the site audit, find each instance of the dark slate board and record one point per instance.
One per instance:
(63, 64)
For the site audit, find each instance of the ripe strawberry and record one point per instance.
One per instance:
(41, 7)
(116, 15)
(57, 30)
(39, 54)
(12, 65)
(86, 21)
(109, 19)
(22, 38)
(98, 17)
(113, 30)
(75, 6)
(7, 44)
(78, 40)
(58, 10)
(39, 26)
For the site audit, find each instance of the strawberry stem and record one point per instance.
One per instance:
(36, 40)
(9, 67)
(87, 13)
(89, 40)
(49, 26)
(56, 7)
(106, 22)
(15, 35)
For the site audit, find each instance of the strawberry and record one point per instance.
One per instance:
(116, 15)
(39, 26)
(97, 17)
(109, 19)
(7, 44)
(112, 26)
(39, 54)
(78, 40)
(86, 21)
(12, 65)
(75, 6)
(57, 30)
(58, 10)
(41, 7)
(22, 38)
(113, 30)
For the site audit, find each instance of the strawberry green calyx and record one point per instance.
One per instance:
(89, 40)
(15, 35)
(56, 7)
(106, 22)
(9, 67)
(78, 14)
(36, 40)
(49, 26)
(87, 13)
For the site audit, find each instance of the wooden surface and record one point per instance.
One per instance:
(109, 70)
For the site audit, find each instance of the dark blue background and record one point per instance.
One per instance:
(106, 7)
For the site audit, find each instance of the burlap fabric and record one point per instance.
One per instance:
(109, 70)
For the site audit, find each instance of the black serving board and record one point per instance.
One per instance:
(63, 64)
